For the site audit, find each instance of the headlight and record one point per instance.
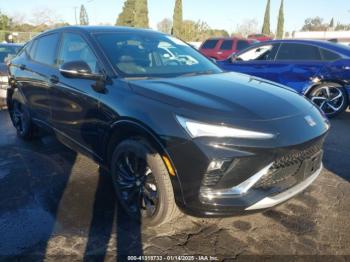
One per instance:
(198, 129)
(4, 79)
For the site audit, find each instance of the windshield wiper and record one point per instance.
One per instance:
(207, 72)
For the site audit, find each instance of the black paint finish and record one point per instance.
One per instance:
(93, 120)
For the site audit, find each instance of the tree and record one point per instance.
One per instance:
(141, 14)
(331, 24)
(4, 22)
(127, 16)
(280, 24)
(342, 27)
(314, 24)
(84, 19)
(165, 26)
(177, 19)
(249, 26)
(266, 26)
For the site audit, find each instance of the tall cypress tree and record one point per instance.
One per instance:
(177, 19)
(331, 24)
(141, 14)
(280, 24)
(127, 16)
(266, 25)
(84, 19)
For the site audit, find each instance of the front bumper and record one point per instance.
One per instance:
(280, 174)
(271, 201)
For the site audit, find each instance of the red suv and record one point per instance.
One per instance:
(222, 48)
(260, 37)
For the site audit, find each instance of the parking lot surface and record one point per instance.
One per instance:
(55, 203)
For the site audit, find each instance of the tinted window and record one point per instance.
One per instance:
(226, 45)
(142, 55)
(328, 55)
(75, 48)
(44, 49)
(298, 52)
(210, 44)
(242, 45)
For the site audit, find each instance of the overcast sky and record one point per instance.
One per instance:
(219, 14)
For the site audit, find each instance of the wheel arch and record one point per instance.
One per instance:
(308, 90)
(129, 128)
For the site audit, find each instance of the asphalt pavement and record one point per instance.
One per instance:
(59, 205)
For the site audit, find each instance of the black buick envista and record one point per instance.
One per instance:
(174, 130)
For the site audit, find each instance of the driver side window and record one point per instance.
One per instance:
(75, 48)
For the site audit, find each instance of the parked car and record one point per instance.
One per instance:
(260, 37)
(6, 50)
(173, 135)
(320, 70)
(222, 48)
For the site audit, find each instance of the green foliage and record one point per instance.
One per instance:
(4, 22)
(342, 27)
(199, 31)
(280, 24)
(331, 24)
(141, 14)
(165, 26)
(266, 26)
(127, 16)
(177, 19)
(84, 19)
(314, 24)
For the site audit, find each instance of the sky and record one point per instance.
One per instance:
(219, 14)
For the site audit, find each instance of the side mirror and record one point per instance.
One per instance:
(79, 69)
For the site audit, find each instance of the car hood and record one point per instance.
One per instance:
(229, 94)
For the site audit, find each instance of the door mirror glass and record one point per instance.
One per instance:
(78, 69)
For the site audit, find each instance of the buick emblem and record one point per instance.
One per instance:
(310, 121)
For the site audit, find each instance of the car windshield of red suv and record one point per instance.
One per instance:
(153, 55)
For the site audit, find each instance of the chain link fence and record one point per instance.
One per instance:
(16, 37)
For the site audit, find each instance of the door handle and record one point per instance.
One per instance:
(54, 79)
(22, 66)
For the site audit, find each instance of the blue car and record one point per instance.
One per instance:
(320, 70)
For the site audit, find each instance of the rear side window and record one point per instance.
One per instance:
(210, 44)
(329, 55)
(241, 44)
(298, 52)
(226, 45)
(43, 49)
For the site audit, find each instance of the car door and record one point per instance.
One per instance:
(35, 67)
(252, 61)
(75, 107)
(225, 49)
(295, 65)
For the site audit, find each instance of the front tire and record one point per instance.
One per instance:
(330, 97)
(142, 184)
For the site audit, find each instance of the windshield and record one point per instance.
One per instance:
(153, 55)
(5, 51)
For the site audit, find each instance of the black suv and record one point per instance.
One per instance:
(176, 132)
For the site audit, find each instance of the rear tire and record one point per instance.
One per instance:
(22, 120)
(331, 98)
(138, 170)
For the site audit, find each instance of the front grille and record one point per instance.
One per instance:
(287, 166)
